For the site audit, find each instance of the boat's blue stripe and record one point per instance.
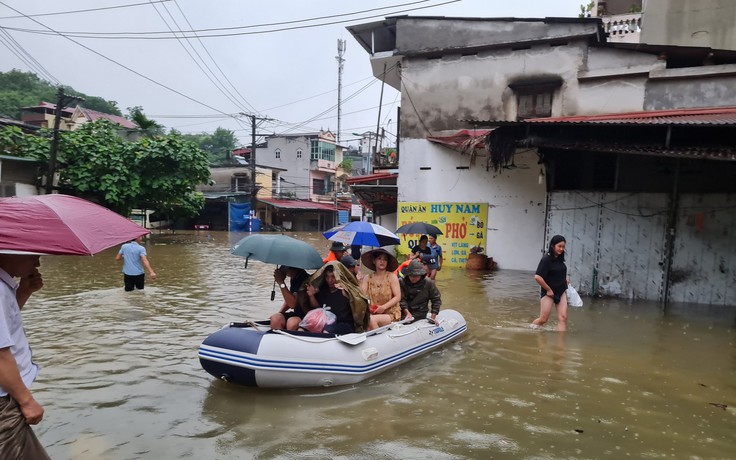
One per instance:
(261, 363)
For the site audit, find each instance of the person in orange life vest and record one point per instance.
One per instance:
(337, 250)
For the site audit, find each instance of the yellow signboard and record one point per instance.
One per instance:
(463, 226)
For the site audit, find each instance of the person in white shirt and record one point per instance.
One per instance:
(18, 409)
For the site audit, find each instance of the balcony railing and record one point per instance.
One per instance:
(323, 165)
(623, 28)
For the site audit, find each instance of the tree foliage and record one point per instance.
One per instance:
(218, 145)
(149, 128)
(25, 89)
(97, 164)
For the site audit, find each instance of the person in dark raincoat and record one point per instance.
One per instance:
(418, 291)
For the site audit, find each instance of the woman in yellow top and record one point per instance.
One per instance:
(382, 287)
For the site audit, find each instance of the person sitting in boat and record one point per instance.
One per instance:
(334, 286)
(417, 291)
(291, 313)
(337, 250)
(352, 266)
(382, 287)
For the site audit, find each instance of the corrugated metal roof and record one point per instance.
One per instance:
(722, 116)
(305, 205)
(709, 153)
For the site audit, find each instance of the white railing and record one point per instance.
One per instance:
(623, 28)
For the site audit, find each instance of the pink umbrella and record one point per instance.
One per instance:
(61, 224)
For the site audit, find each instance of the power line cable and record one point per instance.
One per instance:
(119, 64)
(138, 35)
(199, 62)
(82, 11)
(27, 58)
(248, 104)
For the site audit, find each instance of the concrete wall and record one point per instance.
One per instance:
(708, 86)
(515, 198)
(439, 93)
(414, 35)
(706, 23)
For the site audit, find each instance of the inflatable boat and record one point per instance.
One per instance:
(251, 354)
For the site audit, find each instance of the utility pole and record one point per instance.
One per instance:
(253, 201)
(340, 60)
(61, 100)
(252, 161)
(378, 122)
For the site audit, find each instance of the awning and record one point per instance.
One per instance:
(464, 141)
(305, 205)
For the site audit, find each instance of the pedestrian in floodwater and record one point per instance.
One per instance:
(134, 259)
(552, 278)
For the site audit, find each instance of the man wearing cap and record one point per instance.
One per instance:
(417, 291)
(351, 265)
(337, 250)
(291, 313)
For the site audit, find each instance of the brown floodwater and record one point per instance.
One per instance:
(120, 378)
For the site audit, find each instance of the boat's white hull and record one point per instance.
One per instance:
(280, 360)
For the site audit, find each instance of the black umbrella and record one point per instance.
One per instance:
(419, 228)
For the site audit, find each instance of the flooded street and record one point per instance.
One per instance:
(120, 378)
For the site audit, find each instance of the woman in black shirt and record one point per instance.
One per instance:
(552, 277)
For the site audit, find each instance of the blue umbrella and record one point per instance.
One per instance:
(361, 233)
(278, 249)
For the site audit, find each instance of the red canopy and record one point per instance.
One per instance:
(61, 224)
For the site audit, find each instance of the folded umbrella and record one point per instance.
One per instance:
(62, 225)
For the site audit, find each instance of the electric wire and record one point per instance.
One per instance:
(22, 54)
(248, 104)
(217, 84)
(58, 13)
(120, 64)
(135, 35)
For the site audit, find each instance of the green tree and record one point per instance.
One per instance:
(148, 127)
(25, 89)
(170, 168)
(96, 164)
(13, 141)
(218, 145)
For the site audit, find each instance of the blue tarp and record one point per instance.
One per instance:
(239, 217)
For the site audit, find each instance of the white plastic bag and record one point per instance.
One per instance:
(573, 298)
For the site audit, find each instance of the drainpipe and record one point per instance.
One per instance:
(670, 237)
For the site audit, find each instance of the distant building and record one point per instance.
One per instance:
(43, 115)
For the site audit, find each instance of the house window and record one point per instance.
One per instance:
(318, 186)
(240, 183)
(298, 153)
(534, 105)
(278, 153)
(534, 98)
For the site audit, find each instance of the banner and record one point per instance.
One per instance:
(463, 227)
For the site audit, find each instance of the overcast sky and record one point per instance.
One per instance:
(289, 76)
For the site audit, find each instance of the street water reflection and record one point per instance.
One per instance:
(120, 378)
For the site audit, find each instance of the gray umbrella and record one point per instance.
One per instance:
(278, 249)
